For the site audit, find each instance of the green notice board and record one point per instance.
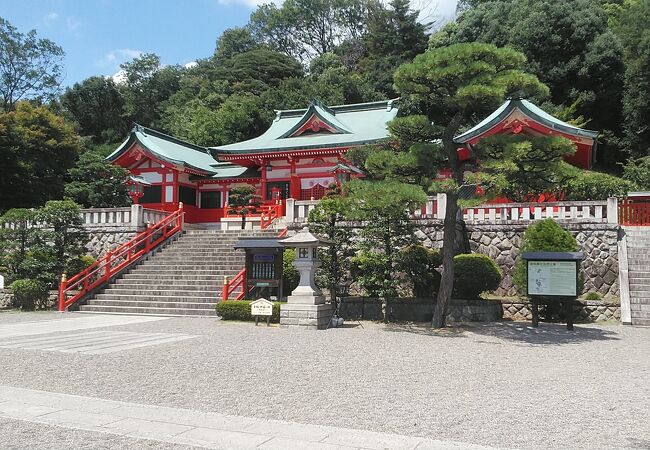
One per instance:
(552, 278)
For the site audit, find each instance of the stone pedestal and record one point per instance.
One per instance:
(314, 317)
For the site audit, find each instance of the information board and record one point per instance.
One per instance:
(552, 278)
(261, 307)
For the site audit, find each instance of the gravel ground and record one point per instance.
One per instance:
(20, 435)
(499, 384)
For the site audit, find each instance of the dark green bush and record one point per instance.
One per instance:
(290, 276)
(76, 265)
(593, 296)
(596, 186)
(241, 310)
(370, 270)
(474, 274)
(419, 264)
(29, 294)
(543, 236)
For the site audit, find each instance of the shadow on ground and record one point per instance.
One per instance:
(523, 332)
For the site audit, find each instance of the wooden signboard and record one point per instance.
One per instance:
(262, 308)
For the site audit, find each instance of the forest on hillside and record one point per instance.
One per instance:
(593, 55)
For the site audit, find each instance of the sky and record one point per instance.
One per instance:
(98, 35)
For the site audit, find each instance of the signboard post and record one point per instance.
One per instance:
(553, 275)
(262, 308)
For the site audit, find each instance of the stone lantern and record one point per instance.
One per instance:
(306, 305)
(136, 185)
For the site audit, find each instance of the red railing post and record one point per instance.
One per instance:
(107, 265)
(226, 286)
(62, 287)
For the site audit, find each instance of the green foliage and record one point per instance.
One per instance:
(234, 41)
(593, 296)
(15, 241)
(290, 276)
(97, 106)
(96, 183)
(370, 271)
(543, 236)
(29, 294)
(30, 67)
(637, 172)
(474, 274)
(38, 147)
(419, 265)
(241, 310)
(327, 220)
(568, 46)
(518, 166)
(75, 265)
(596, 186)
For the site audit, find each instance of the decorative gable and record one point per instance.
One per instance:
(318, 119)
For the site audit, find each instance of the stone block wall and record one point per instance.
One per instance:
(502, 242)
(5, 298)
(584, 311)
(101, 240)
(418, 309)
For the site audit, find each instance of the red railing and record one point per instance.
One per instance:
(231, 286)
(239, 280)
(116, 260)
(634, 211)
(267, 213)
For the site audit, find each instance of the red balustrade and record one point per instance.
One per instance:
(99, 273)
(267, 213)
(634, 211)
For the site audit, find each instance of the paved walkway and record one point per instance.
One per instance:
(188, 427)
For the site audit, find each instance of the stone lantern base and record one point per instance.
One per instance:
(315, 317)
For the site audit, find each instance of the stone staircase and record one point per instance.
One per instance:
(183, 278)
(638, 257)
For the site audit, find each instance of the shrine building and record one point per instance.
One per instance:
(299, 156)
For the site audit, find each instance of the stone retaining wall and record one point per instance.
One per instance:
(418, 309)
(6, 298)
(101, 240)
(502, 243)
(583, 310)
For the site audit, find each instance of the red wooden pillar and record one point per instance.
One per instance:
(294, 181)
(263, 183)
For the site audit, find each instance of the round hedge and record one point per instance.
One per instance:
(474, 274)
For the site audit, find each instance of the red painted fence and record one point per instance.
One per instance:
(634, 211)
(116, 260)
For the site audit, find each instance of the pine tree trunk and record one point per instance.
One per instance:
(448, 253)
(243, 221)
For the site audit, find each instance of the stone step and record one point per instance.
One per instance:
(141, 278)
(178, 268)
(176, 284)
(637, 267)
(159, 298)
(164, 259)
(144, 304)
(148, 311)
(162, 291)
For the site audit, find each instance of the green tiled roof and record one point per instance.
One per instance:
(529, 109)
(357, 124)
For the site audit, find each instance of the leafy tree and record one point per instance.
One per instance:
(452, 86)
(148, 84)
(29, 67)
(568, 47)
(38, 147)
(307, 28)
(16, 240)
(64, 231)
(234, 41)
(637, 172)
(98, 107)
(383, 206)
(419, 264)
(96, 183)
(394, 36)
(243, 200)
(631, 25)
(328, 221)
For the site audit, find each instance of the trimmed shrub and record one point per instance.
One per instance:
(473, 274)
(28, 294)
(419, 266)
(370, 270)
(290, 276)
(76, 265)
(241, 310)
(596, 186)
(543, 236)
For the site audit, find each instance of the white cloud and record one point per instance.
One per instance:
(51, 17)
(118, 77)
(114, 58)
(251, 3)
(190, 64)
